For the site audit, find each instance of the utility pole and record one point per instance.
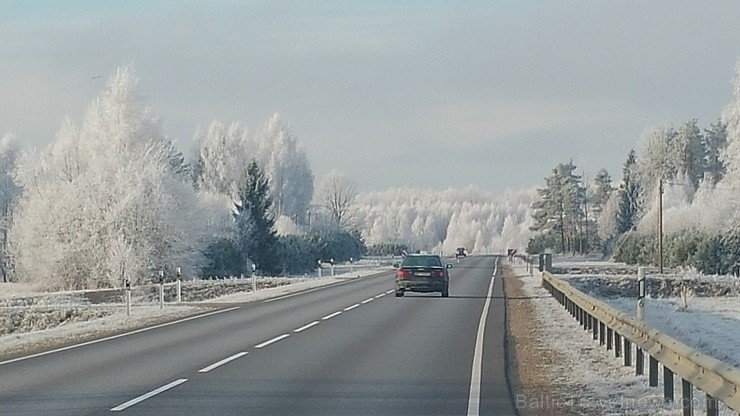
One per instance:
(660, 226)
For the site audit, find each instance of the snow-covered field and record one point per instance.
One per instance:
(708, 320)
(600, 383)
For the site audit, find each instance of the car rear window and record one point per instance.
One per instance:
(421, 261)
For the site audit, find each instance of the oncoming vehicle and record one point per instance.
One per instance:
(461, 252)
(423, 273)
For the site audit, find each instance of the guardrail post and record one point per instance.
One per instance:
(687, 398)
(609, 339)
(617, 345)
(595, 332)
(586, 320)
(602, 333)
(639, 361)
(590, 322)
(667, 385)
(712, 406)
(627, 353)
(653, 371)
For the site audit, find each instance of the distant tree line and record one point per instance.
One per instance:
(694, 172)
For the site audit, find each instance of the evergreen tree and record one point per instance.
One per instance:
(255, 223)
(715, 142)
(561, 209)
(602, 192)
(629, 193)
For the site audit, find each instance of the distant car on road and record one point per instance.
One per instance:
(461, 252)
(423, 273)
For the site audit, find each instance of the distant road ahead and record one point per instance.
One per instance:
(350, 349)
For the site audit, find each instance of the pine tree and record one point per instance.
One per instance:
(715, 142)
(629, 193)
(560, 209)
(255, 223)
(602, 192)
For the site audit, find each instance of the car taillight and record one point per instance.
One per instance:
(438, 273)
(402, 274)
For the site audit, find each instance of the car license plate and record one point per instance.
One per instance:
(423, 274)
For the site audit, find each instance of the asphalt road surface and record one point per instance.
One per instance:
(348, 349)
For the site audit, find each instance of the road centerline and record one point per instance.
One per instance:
(222, 362)
(272, 341)
(331, 315)
(305, 327)
(149, 395)
(349, 308)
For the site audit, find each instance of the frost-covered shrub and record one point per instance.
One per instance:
(681, 247)
(636, 248)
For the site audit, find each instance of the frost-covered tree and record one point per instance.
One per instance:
(107, 200)
(440, 221)
(9, 193)
(602, 191)
(715, 142)
(337, 194)
(628, 211)
(286, 166)
(222, 157)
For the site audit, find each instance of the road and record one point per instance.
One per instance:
(349, 349)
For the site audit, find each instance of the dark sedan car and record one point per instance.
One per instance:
(423, 273)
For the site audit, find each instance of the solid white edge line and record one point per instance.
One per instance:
(475, 376)
(367, 301)
(305, 327)
(222, 362)
(148, 395)
(138, 331)
(272, 341)
(349, 308)
(331, 315)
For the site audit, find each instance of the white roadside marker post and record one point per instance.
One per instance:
(128, 297)
(161, 289)
(179, 285)
(254, 277)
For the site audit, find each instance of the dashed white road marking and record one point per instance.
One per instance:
(222, 362)
(331, 315)
(148, 395)
(389, 292)
(305, 327)
(138, 331)
(366, 301)
(349, 308)
(379, 296)
(272, 341)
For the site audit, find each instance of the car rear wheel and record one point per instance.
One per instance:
(399, 293)
(445, 293)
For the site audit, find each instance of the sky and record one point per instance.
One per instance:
(406, 93)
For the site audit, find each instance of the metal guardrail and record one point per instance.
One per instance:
(618, 331)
